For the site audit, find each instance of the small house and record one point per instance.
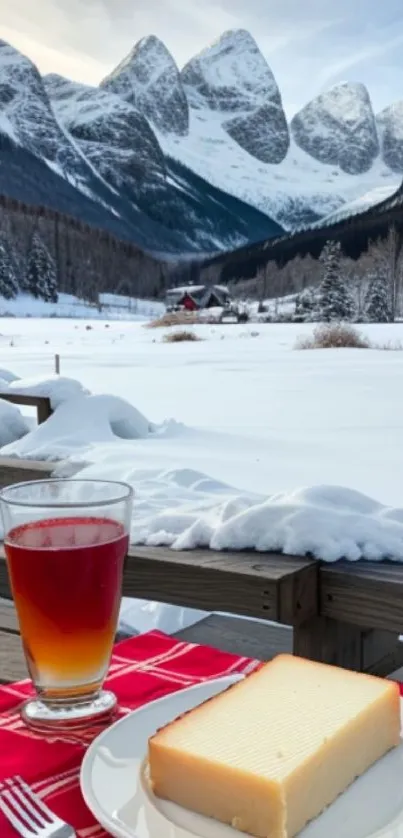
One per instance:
(196, 297)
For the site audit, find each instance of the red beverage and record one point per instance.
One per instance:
(66, 578)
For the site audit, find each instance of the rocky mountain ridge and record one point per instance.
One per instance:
(332, 152)
(101, 157)
(231, 76)
(203, 158)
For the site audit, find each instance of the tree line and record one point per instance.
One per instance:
(38, 279)
(43, 252)
(334, 300)
(368, 288)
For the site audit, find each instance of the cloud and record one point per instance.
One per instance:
(51, 60)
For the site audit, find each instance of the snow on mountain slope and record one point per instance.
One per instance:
(27, 117)
(362, 204)
(113, 136)
(233, 79)
(87, 143)
(298, 192)
(199, 160)
(149, 79)
(338, 128)
(121, 146)
(238, 138)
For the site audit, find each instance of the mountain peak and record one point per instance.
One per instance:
(25, 107)
(149, 79)
(151, 42)
(232, 78)
(232, 62)
(234, 39)
(16, 71)
(338, 128)
(9, 54)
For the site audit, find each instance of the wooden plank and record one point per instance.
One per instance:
(42, 404)
(382, 652)
(248, 584)
(240, 637)
(230, 634)
(269, 586)
(329, 641)
(367, 594)
(350, 646)
(8, 617)
(5, 590)
(369, 651)
(28, 465)
(12, 661)
(18, 471)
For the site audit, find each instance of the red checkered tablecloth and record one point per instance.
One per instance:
(142, 669)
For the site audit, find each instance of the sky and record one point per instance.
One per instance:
(309, 44)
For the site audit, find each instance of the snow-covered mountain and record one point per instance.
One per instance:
(27, 117)
(203, 158)
(112, 135)
(150, 80)
(329, 155)
(99, 156)
(333, 152)
(232, 79)
(338, 128)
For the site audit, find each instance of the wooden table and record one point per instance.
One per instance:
(346, 614)
(274, 588)
(241, 637)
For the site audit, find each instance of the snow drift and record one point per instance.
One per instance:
(102, 436)
(78, 423)
(13, 426)
(184, 509)
(56, 388)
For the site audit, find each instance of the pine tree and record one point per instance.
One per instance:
(335, 299)
(376, 306)
(305, 306)
(41, 280)
(8, 279)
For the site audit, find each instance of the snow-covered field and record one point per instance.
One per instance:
(113, 307)
(232, 420)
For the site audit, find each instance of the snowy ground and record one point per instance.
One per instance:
(114, 307)
(251, 417)
(252, 411)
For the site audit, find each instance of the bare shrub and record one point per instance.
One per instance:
(180, 337)
(174, 318)
(334, 336)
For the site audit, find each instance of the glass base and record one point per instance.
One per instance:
(54, 717)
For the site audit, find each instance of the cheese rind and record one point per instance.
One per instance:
(269, 754)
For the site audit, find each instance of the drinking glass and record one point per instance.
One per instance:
(65, 543)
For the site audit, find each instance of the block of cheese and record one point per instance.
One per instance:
(273, 751)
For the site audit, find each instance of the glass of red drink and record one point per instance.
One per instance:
(65, 543)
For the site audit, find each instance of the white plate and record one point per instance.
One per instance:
(112, 782)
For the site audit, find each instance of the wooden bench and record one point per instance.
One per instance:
(42, 404)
